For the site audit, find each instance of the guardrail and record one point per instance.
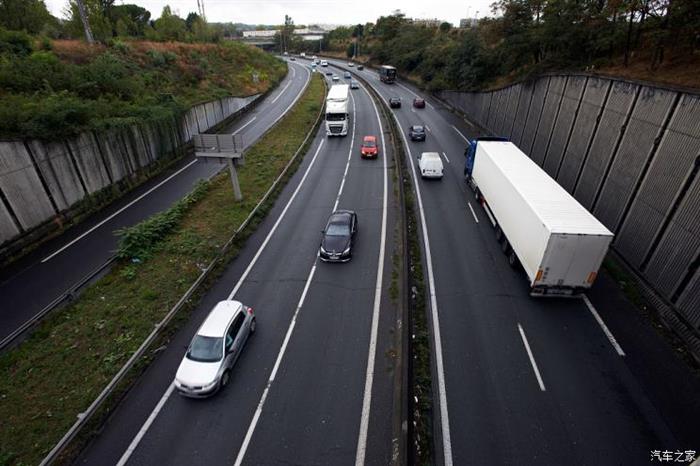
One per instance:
(85, 416)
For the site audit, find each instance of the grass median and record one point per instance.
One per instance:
(61, 368)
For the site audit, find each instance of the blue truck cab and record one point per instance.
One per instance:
(470, 153)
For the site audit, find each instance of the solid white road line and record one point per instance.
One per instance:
(282, 91)
(134, 443)
(372, 353)
(460, 133)
(429, 130)
(347, 164)
(606, 331)
(473, 213)
(442, 390)
(532, 358)
(273, 374)
(239, 129)
(158, 407)
(119, 211)
(274, 227)
(290, 330)
(445, 155)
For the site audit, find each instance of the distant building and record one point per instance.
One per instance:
(431, 23)
(467, 23)
(260, 34)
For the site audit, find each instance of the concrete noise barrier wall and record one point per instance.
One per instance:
(627, 151)
(41, 180)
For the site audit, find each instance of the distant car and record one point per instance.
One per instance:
(347, 75)
(351, 64)
(338, 237)
(324, 63)
(430, 165)
(395, 102)
(416, 133)
(354, 84)
(329, 73)
(302, 55)
(314, 57)
(360, 67)
(335, 78)
(213, 351)
(292, 59)
(369, 148)
(285, 54)
(419, 103)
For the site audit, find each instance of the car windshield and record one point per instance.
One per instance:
(335, 116)
(206, 349)
(338, 229)
(417, 129)
(369, 144)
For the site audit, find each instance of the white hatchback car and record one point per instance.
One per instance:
(430, 165)
(214, 350)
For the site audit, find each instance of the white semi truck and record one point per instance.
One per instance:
(337, 110)
(540, 226)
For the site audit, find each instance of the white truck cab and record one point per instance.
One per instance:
(337, 110)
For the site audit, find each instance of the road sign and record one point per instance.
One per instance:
(222, 148)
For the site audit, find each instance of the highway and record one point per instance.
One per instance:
(519, 380)
(315, 383)
(32, 283)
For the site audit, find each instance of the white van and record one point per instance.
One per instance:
(324, 63)
(430, 165)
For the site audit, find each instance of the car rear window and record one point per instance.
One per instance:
(369, 144)
(206, 349)
(418, 129)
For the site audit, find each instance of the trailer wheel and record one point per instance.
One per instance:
(499, 233)
(505, 246)
(513, 259)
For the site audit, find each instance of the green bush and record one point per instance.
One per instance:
(138, 242)
(15, 43)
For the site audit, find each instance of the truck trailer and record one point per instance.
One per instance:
(540, 226)
(337, 110)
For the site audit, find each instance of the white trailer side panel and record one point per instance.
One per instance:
(527, 235)
(531, 209)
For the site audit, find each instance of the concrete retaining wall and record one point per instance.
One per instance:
(630, 153)
(41, 180)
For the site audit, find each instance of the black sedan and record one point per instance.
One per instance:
(416, 133)
(338, 236)
(395, 102)
(360, 67)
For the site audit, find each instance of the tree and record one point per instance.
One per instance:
(445, 27)
(24, 15)
(170, 26)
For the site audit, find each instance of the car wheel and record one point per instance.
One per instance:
(225, 377)
(499, 233)
(252, 326)
(505, 246)
(513, 259)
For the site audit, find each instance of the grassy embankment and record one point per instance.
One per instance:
(62, 367)
(50, 90)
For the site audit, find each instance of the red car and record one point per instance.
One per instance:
(369, 147)
(418, 103)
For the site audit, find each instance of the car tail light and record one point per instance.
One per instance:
(250, 310)
(591, 277)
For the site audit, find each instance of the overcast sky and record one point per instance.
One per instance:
(309, 11)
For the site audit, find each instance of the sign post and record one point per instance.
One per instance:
(220, 148)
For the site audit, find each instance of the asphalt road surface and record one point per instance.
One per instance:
(36, 280)
(314, 384)
(520, 380)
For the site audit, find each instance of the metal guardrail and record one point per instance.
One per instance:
(86, 415)
(67, 295)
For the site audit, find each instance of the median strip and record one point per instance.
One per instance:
(63, 366)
